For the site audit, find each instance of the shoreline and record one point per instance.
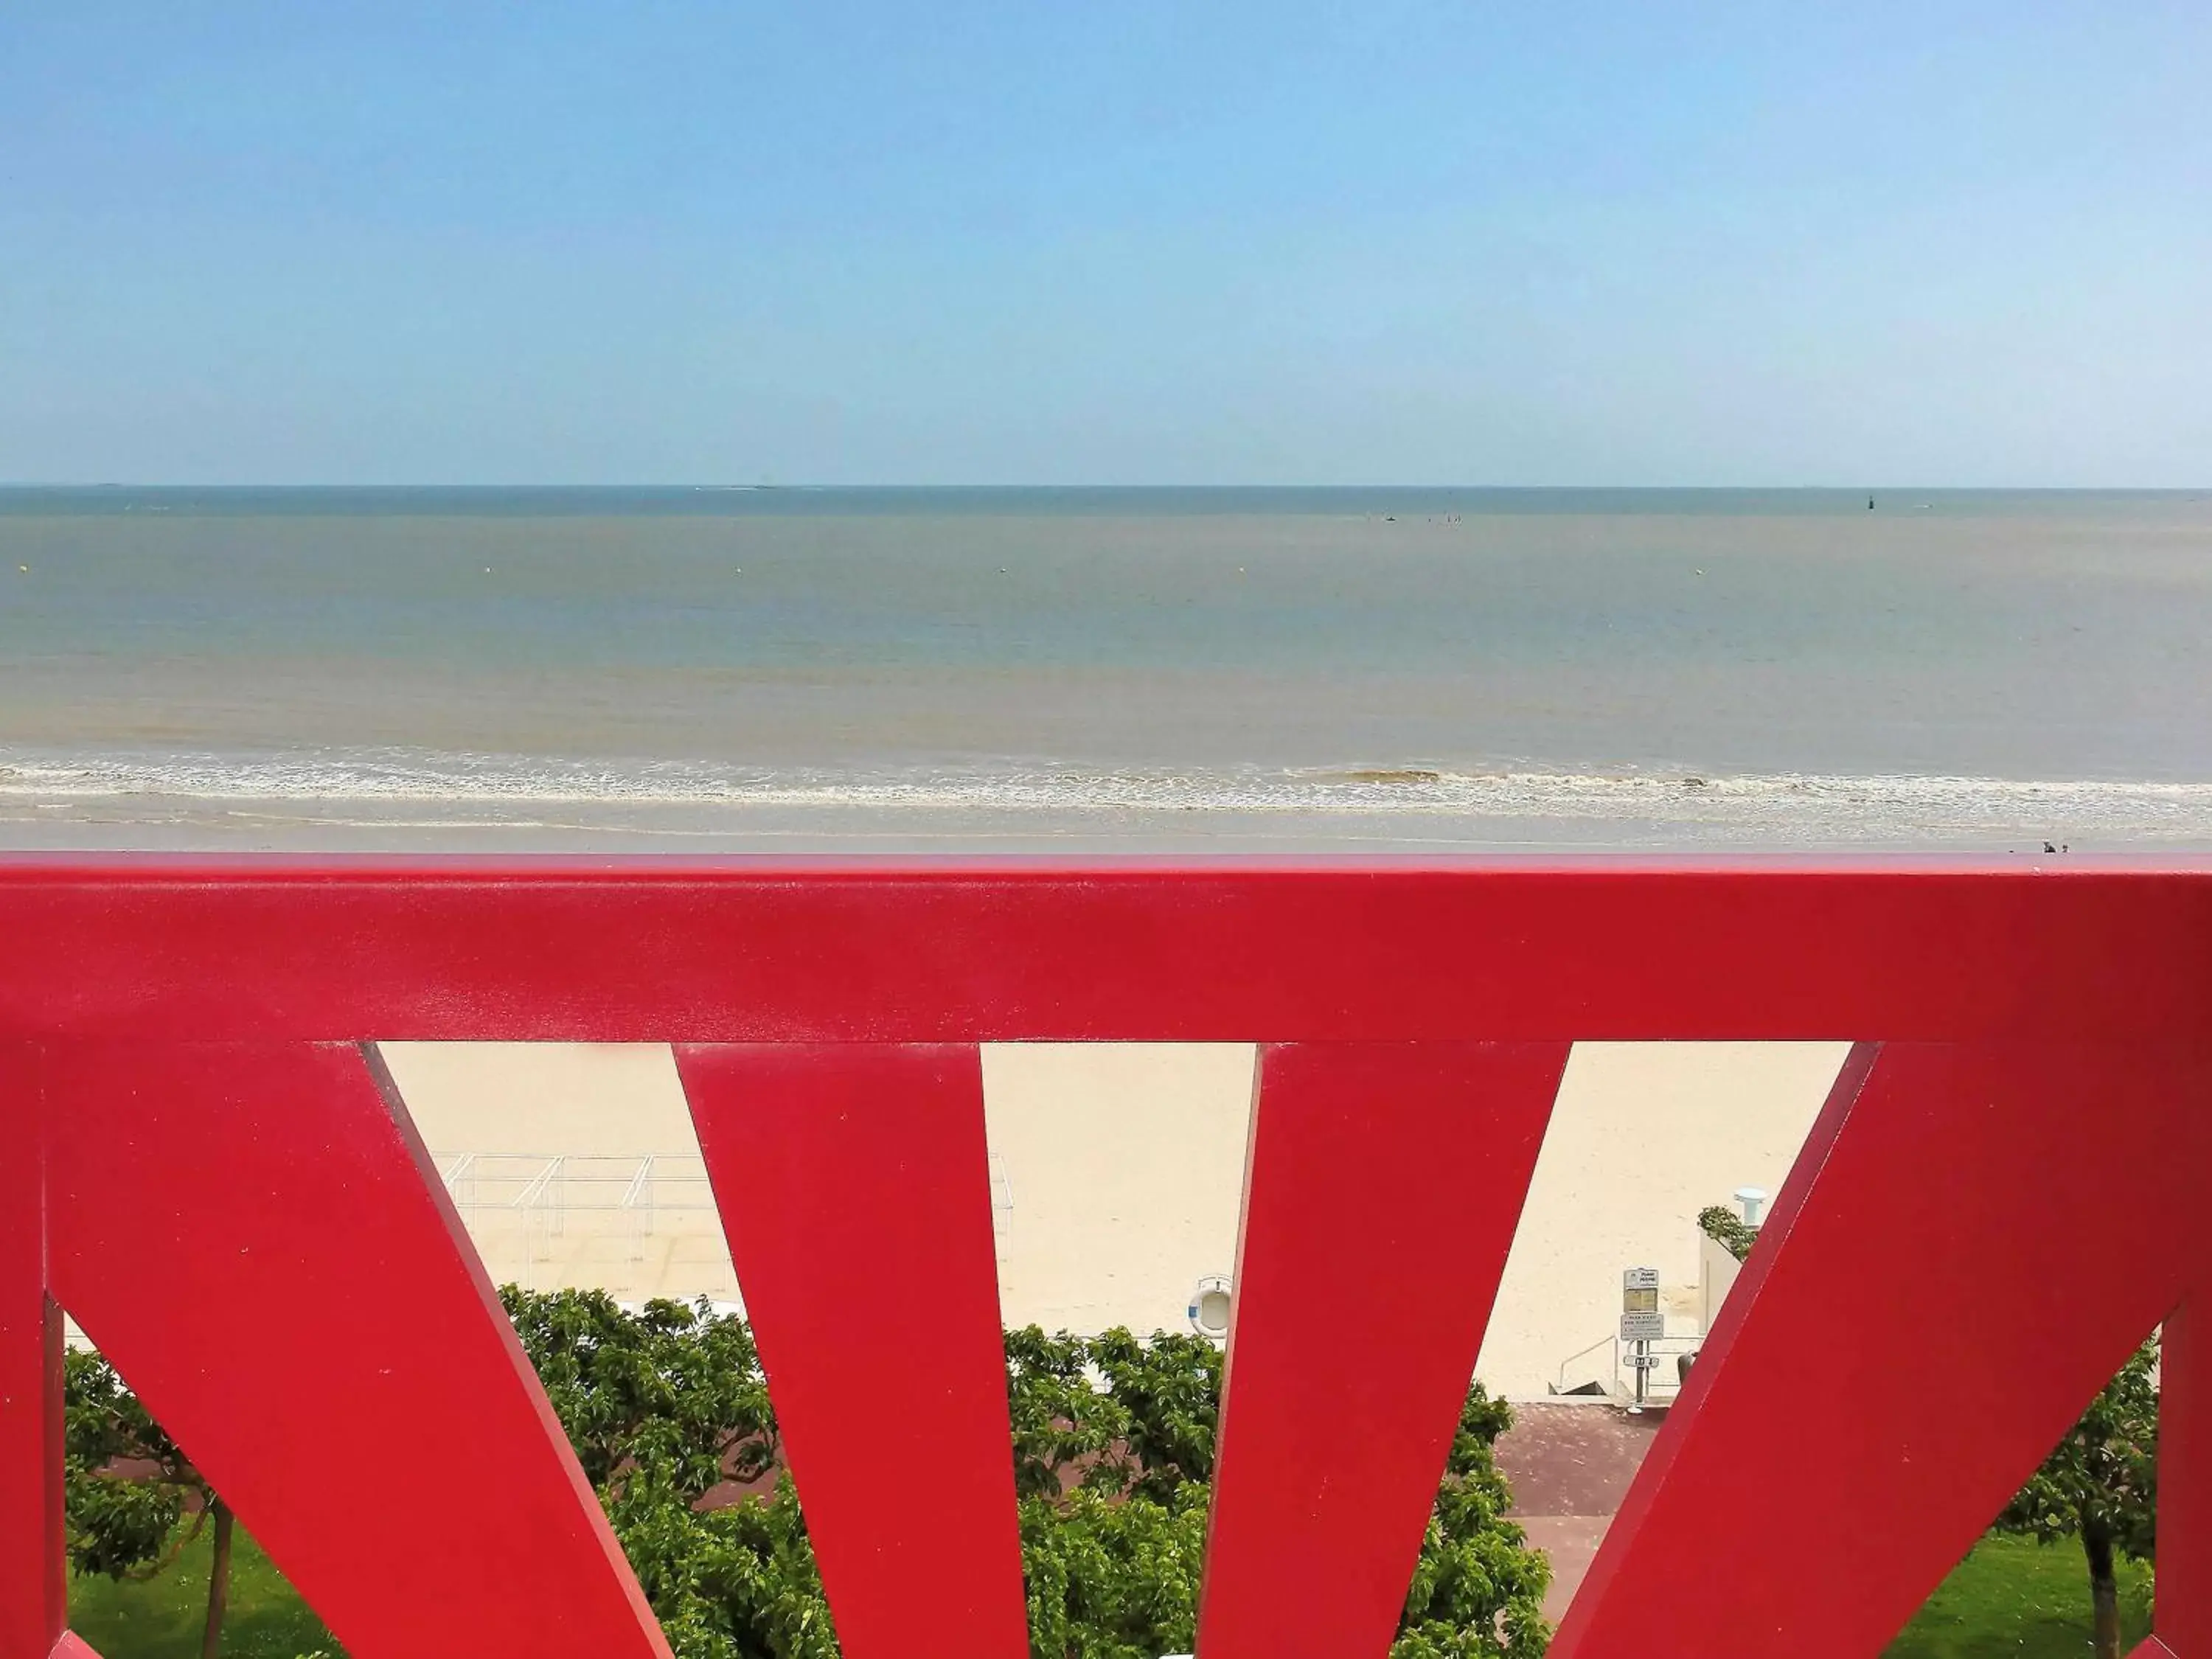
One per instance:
(389, 800)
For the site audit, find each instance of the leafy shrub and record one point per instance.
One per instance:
(1728, 1229)
(668, 1409)
(1113, 1447)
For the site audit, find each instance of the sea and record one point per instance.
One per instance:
(1180, 670)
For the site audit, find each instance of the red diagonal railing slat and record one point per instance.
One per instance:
(1386, 1180)
(2184, 1586)
(1973, 1239)
(855, 1188)
(253, 1238)
(32, 1589)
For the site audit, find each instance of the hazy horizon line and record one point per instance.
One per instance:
(1905, 486)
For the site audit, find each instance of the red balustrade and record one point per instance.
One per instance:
(201, 1161)
(855, 1186)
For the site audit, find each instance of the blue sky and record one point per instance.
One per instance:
(1037, 243)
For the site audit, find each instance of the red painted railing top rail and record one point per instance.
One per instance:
(200, 1161)
(766, 950)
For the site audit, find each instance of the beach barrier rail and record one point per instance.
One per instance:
(203, 1162)
(516, 1208)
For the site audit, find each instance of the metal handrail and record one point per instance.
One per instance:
(1609, 1339)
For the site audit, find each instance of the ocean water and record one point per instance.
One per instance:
(1384, 668)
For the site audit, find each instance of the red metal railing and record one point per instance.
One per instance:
(200, 1161)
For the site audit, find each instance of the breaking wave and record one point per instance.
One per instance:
(1770, 805)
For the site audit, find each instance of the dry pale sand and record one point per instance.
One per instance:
(1116, 1174)
(1644, 1135)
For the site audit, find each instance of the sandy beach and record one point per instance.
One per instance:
(1117, 1175)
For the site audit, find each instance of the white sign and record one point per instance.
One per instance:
(1639, 1279)
(1643, 1327)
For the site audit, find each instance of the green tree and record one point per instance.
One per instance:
(1478, 1588)
(680, 1383)
(2100, 1484)
(128, 1488)
(1114, 1414)
(737, 1581)
(1066, 1423)
(666, 1408)
(1170, 1387)
(1112, 1577)
(1114, 1441)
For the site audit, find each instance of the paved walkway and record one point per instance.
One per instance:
(1569, 1467)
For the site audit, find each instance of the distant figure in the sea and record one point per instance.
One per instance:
(1869, 503)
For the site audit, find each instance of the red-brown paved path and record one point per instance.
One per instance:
(1569, 1467)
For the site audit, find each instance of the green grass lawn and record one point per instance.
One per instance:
(161, 1618)
(2010, 1597)
(2023, 1600)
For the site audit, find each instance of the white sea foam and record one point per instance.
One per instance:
(432, 789)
